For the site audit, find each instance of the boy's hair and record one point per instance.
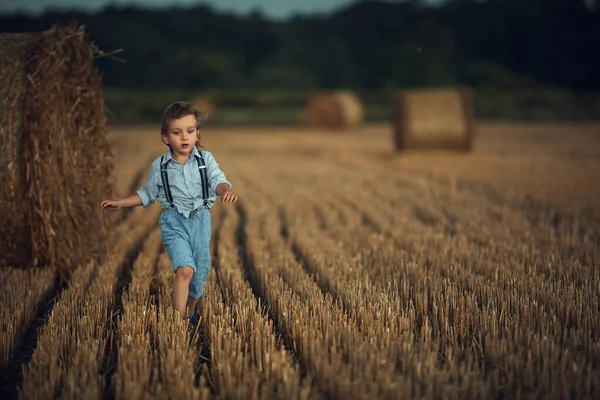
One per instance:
(178, 110)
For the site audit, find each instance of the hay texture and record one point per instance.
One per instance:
(434, 119)
(206, 106)
(55, 158)
(335, 110)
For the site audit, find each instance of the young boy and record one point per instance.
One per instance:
(186, 182)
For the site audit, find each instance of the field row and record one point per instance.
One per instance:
(327, 281)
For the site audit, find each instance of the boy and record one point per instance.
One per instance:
(186, 182)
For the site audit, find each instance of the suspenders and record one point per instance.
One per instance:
(203, 178)
(165, 181)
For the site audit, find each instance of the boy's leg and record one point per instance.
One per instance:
(176, 238)
(198, 281)
(201, 251)
(181, 284)
(190, 305)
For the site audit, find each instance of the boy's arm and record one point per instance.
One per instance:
(145, 196)
(149, 192)
(222, 188)
(216, 177)
(131, 201)
(115, 205)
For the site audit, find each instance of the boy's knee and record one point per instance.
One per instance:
(185, 273)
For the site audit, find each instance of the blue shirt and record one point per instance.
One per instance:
(184, 181)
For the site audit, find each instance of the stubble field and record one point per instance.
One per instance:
(344, 271)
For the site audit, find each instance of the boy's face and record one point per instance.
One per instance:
(182, 135)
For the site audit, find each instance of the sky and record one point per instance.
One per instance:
(277, 9)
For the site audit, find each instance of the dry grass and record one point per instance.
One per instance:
(136, 365)
(348, 271)
(17, 312)
(78, 335)
(243, 343)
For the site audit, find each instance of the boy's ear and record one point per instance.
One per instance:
(164, 139)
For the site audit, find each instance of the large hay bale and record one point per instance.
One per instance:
(206, 106)
(55, 158)
(434, 118)
(334, 110)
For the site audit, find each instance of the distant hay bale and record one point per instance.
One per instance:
(335, 110)
(434, 118)
(55, 158)
(206, 106)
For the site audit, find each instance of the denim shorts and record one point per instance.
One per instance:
(187, 241)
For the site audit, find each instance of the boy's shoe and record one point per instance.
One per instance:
(195, 318)
(192, 320)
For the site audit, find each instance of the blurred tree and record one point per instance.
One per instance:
(369, 44)
(197, 68)
(490, 75)
(314, 46)
(281, 77)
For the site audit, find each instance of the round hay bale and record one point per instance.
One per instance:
(205, 106)
(55, 158)
(335, 110)
(434, 118)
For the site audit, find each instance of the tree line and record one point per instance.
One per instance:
(368, 45)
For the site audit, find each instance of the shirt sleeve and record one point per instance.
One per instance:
(215, 175)
(149, 192)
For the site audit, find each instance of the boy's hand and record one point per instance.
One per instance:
(229, 197)
(110, 205)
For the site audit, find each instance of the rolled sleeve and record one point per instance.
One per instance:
(146, 202)
(215, 175)
(149, 192)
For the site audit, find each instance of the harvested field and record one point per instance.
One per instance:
(346, 270)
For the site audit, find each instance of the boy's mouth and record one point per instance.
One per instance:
(185, 146)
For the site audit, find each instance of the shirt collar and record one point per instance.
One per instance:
(169, 155)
